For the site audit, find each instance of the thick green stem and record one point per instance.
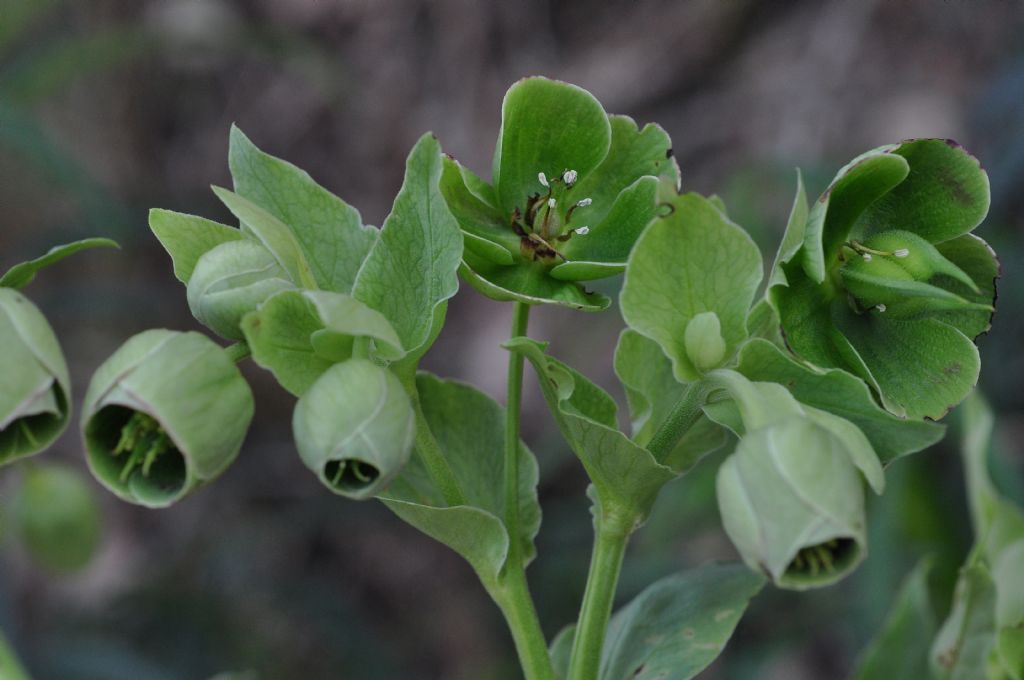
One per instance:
(610, 540)
(10, 666)
(520, 318)
(679, 420)
(238, 351)
(513, 597)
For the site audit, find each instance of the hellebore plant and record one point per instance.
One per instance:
(810, 384)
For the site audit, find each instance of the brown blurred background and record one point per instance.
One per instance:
(110, 107)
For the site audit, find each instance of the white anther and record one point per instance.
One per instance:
(583, 202)
(582, 231)
(551, 203)
(902, 252)
(543, 179)
(880, 307)
(569, 177)
(866, 256)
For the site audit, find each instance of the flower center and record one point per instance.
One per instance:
(144, 440)
(541, 225)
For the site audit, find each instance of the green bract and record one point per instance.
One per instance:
(572, 188)
(354, 428)
(35, 389)
(885, 280)
(57, 517)
(167, 412)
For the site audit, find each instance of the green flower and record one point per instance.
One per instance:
(166, 413)
(884, 279)
(57, 517)
(36, 389)
(572, 189)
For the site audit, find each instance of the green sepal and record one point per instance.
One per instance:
(298, 335)
(546, 126)
(838, 392)
(57, 517)
(975, 257)
(20, 275)
(485, 231)
(530, 283)
(626, 476)
(476, 529)
(689, 261)
(231, 280)
(329, 231)
(412, 267)
(354, 428)
(35, 396)
(677, 626)
(188, 386)
(792, 503)
(274, 234)
(793, 236)
(902, 645)
(187, 237)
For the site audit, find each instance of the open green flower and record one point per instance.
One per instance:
(36, 389)
(572, 189)
(166, 413)
(885, 280)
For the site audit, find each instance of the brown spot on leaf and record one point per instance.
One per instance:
(688, 633)
(953, 368)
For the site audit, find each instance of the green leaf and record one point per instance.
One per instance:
(20, 275)
(962, 647)
(561, 651)
(856, 186)
(57, 517)
(676, 627)
(972, 255)
(412, 267)
(354, 428)
(626, 476)
(298, 335)
(187, 237)
(330, 232)
(842, 394)
(471, 447)
(546, 126)
(691, 261)
(901, 647)
(945, 195)
(652, 391)
(922, 367)
(272, 233)
(528, 282)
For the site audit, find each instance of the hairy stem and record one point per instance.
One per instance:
(679, 420)
(513, 597)
(520, 318)
(610, 540)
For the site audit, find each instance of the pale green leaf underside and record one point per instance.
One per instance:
(20, 275)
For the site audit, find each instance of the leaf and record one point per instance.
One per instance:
(186, 238)
(529, 283)
(693, 260)
(961, 649)
(842, 394)
(57, 517)
(676, 627)
(272, 233)
(626, 476)
(411, 269)
(945, 195)
(330, 232)
(793, 237)
(20, 275)
(901, 647)
(298, 335)
(652, 392)
(561, 651)
(922, 367)
(473, 449)
(546, 126)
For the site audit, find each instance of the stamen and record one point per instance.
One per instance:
(582, 231)
(543, 179)
(583, 202)
(569, 177)
(880, 307)
(866, 256)
(902, 252)
(552, 203)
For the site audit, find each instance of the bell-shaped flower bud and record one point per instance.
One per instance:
(902, 275)
(792, 502)
(57, 517)
(166, 413)
(35, 387)
(354, 428)
(231, 280)
(703, 341)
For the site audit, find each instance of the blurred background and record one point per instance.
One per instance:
(111, 107)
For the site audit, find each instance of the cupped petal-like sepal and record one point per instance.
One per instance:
(57, 517)
(792, 502)
(354, 428)
(36, 390)
(166, 413)
(231, 280)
